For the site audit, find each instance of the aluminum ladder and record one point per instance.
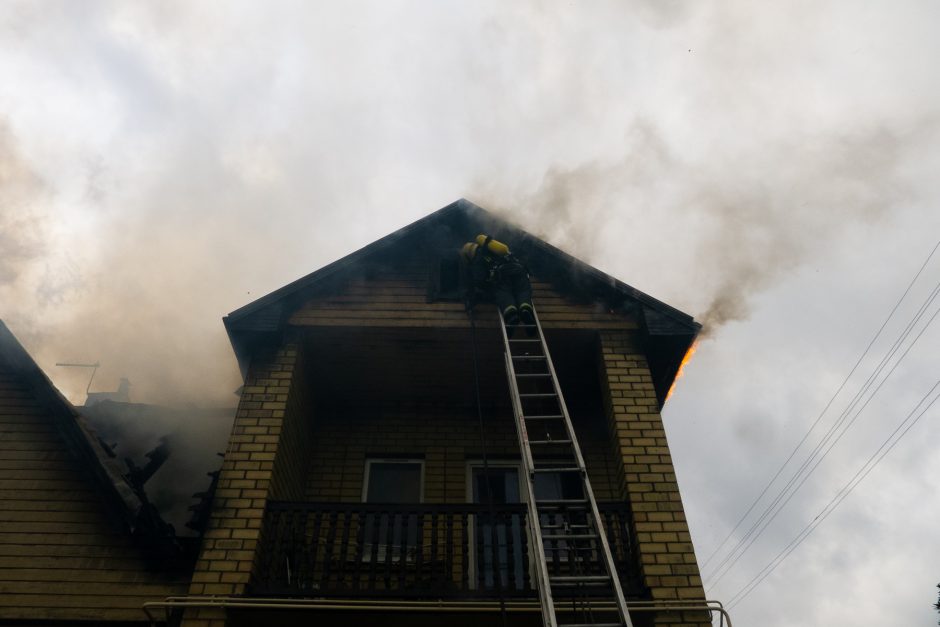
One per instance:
(575, 571)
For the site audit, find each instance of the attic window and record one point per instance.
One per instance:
(444, 280)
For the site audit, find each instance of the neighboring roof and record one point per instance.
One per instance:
(669, 332)
(78, 438)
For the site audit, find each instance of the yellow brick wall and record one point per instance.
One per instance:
(649, 483)
(294, 436)
(246, 480)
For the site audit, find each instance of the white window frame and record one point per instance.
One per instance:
(383, 547)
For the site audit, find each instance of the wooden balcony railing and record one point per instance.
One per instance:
(420, 551)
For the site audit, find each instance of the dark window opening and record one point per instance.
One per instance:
(445, 282)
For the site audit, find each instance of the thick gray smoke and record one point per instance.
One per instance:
(192, 437)
(169, 162)
(22, 227)
(731, 226)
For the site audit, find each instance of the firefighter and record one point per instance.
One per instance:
(495, 271)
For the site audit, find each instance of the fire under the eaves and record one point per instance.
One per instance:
(685, 360)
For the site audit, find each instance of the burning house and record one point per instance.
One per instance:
(384, 463)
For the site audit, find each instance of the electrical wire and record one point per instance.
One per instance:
(825, 409)
(840, 496)
(818, 461)
(832, 430)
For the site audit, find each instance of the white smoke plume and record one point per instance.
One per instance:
(730, 226)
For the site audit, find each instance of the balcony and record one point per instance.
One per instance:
(422, 551)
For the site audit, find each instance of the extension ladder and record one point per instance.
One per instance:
(575, 572)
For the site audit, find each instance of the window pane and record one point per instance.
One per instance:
(503, 484)
(394, 482)
(558, 486)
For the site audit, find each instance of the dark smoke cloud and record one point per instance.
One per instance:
(192, 435)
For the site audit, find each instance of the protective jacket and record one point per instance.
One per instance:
(494, 270)
(486, 258)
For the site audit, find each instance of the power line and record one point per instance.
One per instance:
(829, 435)
(826, 408)
(840, 496)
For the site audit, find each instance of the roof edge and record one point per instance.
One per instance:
(470, 208)
(329, 269)
(79, 437)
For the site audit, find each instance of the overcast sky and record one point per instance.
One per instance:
(771, 170)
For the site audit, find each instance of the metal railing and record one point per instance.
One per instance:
(418, 551)
(692, 611)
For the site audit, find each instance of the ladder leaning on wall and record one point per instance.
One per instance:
(575, 572)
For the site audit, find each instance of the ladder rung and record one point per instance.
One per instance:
(549, 442)
(539, 395)
(542, 357)
(556, 469)
(582, 579)
(529, 375)
(564, 526)
(571, 536)
(574, 550)
(590, 625)
(548, 417)
(561, 502)
(525, 340)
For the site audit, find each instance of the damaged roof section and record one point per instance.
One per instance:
(180, 442)
(665, 332)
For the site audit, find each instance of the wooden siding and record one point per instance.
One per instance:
(446, 439)
(397, 297)
(61, 557)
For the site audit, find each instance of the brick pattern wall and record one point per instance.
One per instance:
(669, 566)
(293, 451)
(247, 479)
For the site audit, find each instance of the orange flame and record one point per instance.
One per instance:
(685, 360)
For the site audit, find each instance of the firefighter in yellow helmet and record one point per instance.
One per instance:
(496, 272)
